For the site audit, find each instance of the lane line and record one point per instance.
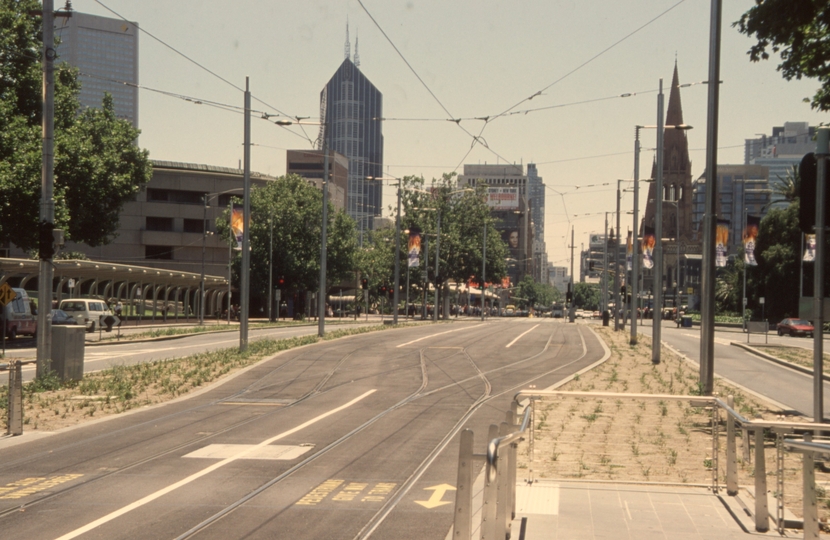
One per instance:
(520, 337)
(438, 334)
(195, 476)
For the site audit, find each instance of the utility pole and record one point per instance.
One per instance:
(571, 310)
(617, 280)
(822, 151)
(321, 295)
(244, 276)
(605, 266)
(707, 284)
(47, 203)
(396, 294)
(635, 242)
(657, 312)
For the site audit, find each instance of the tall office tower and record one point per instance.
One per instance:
(105, 51)
(781, 152)
(536, 194)
(351, 108)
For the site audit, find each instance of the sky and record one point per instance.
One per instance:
(591, 67)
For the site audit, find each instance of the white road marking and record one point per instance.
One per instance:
(273, 451)
(520, 337)
(438, 334)
(195, 476)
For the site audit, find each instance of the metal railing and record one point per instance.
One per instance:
(15, 406)
(498, 495)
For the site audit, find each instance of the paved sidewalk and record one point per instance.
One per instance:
(589, 510)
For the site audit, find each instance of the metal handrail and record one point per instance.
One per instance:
(510, 438)
(12, 363)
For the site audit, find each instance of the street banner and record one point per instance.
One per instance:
(648, 247)
(750, 237)
(810, 248)
(237, 224)
(414, 247)
(629, 252)
(721, 242)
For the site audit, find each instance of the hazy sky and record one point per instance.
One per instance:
(469, 60)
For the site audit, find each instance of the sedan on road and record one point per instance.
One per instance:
(60, 317)
(795, 327)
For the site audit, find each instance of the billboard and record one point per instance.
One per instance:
(503, 198)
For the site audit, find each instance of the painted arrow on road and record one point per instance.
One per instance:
(437, 494)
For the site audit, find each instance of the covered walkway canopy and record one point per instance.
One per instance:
(118, 282)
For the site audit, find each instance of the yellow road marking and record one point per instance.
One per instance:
(437, 494)
(30, 486)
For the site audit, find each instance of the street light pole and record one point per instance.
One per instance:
(244, 277)
(437, 260)
(617, 280)
(657, 312)
(635, 244)
(396, 293)
(321, 295)
(483, 266)
(270, 268)
(202, 282)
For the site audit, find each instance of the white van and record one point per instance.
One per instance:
(18, 316)
(86, 311)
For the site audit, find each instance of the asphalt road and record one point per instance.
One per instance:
(352, 438)
(790, 388)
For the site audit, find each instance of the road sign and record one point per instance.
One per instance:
(6, 294)
(70, 283)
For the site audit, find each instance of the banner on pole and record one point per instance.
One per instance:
(721, 242)
(648, 247)
(414, 247)
(237, 224)
(809, 248)
(750, 237)
(629, 252)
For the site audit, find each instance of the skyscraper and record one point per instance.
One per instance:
(105, 51)
(351, 108)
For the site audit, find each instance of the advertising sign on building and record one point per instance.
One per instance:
(503, 198)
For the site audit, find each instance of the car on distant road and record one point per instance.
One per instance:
(795, 327)
(60, 317)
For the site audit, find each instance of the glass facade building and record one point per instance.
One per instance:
(351, 108)
(105, 51)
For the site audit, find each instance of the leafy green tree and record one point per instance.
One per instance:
(376, 260)
(286, 213)
(97, 165)
(587, 296)
(800, 33)
(778, 252)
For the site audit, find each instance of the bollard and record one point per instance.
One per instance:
(15, 422)
(463, 519)
(491, 491)
(761, 503)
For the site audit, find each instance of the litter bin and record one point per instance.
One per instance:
(686, 322)
(605, 317)
(68, 352)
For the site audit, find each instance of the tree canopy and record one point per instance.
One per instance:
(98, 166)
(800, 33)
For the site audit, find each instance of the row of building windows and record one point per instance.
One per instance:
(176, 196)
(166, 224)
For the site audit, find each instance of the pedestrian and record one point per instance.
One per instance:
(118, 309)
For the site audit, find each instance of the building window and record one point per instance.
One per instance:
(195, 225)
(159, 224)
(158, 252)
(175, 196)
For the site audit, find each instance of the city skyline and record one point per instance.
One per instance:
(592, 74)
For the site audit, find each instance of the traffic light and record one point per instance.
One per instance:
(281, 282)
(808, 171)
(569, 297)
(383, 289)
(46, 247)
(364, 283)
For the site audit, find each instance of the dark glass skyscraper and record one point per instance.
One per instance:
(351, 109)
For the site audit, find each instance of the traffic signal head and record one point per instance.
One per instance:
(46, 246)
(808, 172)
(569, 297)
(364, 283)
(281, 282)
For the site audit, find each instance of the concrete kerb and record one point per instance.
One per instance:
(7, 441)
(769, 357)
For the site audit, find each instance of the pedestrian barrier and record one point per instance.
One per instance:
(15, 405)
(498, 500)
(756, 327)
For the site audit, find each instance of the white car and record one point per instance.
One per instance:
(86, 311)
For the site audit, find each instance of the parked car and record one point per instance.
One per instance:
(86, 311)
(795, 327)
(60, 317)
(19, 316)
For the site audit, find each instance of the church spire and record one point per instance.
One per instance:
(674, 115)
(347, 48)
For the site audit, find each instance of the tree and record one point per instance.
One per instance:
(97, 165)
(800, 32)
(287, 212)
(587, 296)
(787, 188)
(776, 278)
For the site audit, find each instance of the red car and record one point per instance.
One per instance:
(795, 327)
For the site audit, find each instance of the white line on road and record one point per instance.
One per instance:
(195, 476)
(438, 334)
(520, 337)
